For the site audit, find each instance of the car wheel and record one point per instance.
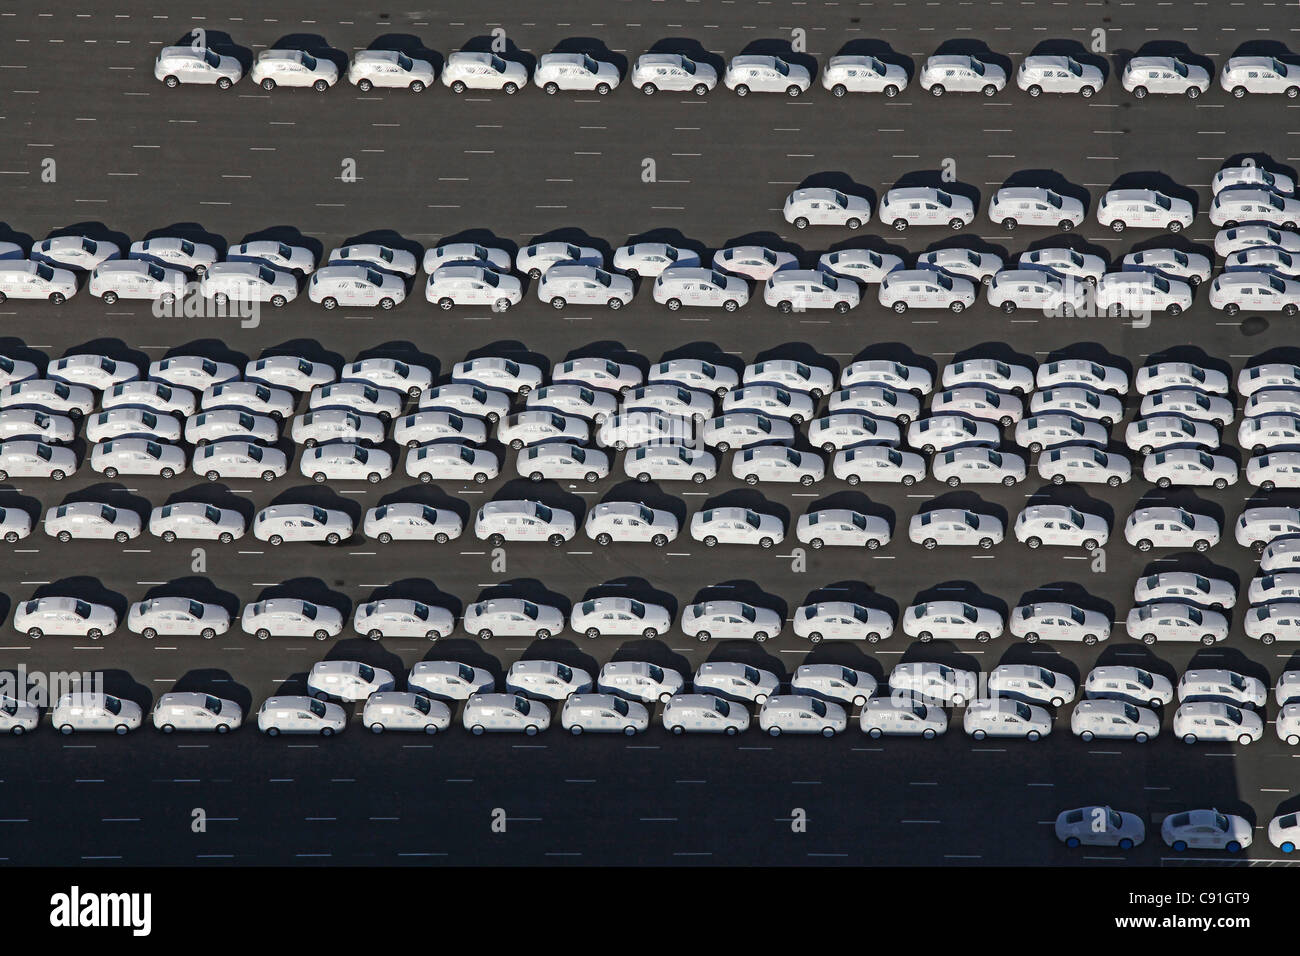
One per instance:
(785, 307)
(615, 304)
(956, 308)
(1035, 90)
(278, 301)
(320, 86)
(110, 472)
(121, 537)
(1086, 737)
(937, 90)
(558, 302)
(1073, 842)
(900, 307)
(979, 735)
(925, 637)
(268, 84)
(842, 307)
(990, 90)
(332, 538)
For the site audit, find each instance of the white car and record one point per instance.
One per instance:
(1276, 470)
(48, 395)
(274, 68)
(709, 288)
(504, 713)
(1231, 207)
(470, 399)
(582, 713)
(538, 259)
(863, 74)
(1049, 431)
(277, 255)
(745, 429)
(1166, 375)
(1222, 683)
(951, 620)
(1185, 467)
(862, 265)
(729, 620)
(1259, 74)
(777, 463)
(1281, 554)
(1078, 401)
(1128, 683)
(562, 460)
(18, 716)
(572, 398)
(1252, 174)
(483, 71)
(1084, 464)
(472, 284)
(1274, 587)
(1270, 375)
(347, 680)
(620, 617)
(844, 685)
(1216, 721)
(33, 423)
(906, 206)
(177, 617)
(300, 715)
(503, 374)
(1164, 74)
(1061, 525)
(753, 262)
(64, 617)
(1143, 208)
(86, 520)
(626, 521)
(977, 465)
(93, 371)
(239, 459)
(277, 524)
(992, 373)
(933, 682)
(451, 461)
(978, 402)
(877, 401)
(24, 279)
(1256, 527)
(531, 427)
(1166, 527)
(1273, 622)
(402, 710)
(1013, 206)
(906, 289)
(1282, 831)
(1140, 293)
(196, 521)
(248, 282)
(842, 621)
(878, 463)
(1206, 829)
(188, 255)
(890, 716)
(286, 372)
(652, 259)
(466, 253)
(176, 65)
(798, 714)
(1185, 586)
(1040, 74)
(677, 72)
(574, 72)
(961, 74)
(667, 399)
(402, 617)
(1100, 826)
(1266, 259)
(14, 524)
(1229, 241)
(154, 395)
(345, 461)
(1066, 263)
(1256, 289)
(597, 373)
(736, 681)
(75, 252)
(630, 429)
(386, 403)
(954, 527)
(1113, 720)
(1057, 621)
(389, 69)
(449, 680)
(355, 286)
(24, 458)
(843, 429)
(221, 423)
(411, 521)
(95, 712)
(16, 370)
(1038, 289)
(1189, 403)
(1164, 621)
(136, 279)
(500, 521)
(757, 73)
(978, 267)
(823, 206)
(512, 617)
(842, 527)
(797, 376)
(1288, 725)
(731, 525)
(290, 617)
(1190, 267)
(704, 713)
(1002, 717)
(895, 375)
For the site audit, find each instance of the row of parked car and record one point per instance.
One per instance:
(746, 73)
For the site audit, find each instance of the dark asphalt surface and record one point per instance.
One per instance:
(133, 158)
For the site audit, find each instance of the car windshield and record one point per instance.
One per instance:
(781, 66)
(1180, 67)
(721, 706)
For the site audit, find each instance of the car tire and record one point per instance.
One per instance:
(937, 90)
(1087, 737)
(268, 84)
(979, 735)
(990, 90)
(925, 637)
